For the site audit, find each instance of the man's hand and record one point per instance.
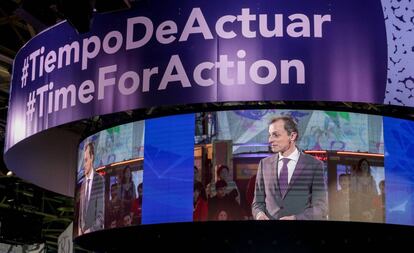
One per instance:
(291, 217)
(262, 216)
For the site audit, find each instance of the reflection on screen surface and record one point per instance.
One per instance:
(204, 166)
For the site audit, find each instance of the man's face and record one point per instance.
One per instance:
(222, 215)
(221, 192)
(364, 167)
(279, 140)
(224, 174)
(87, 161)
(344, 182)
(119, 177)
(127, 220)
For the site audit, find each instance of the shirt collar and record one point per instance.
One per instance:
(90, 175)
(294, 156)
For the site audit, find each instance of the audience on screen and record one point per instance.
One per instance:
(355, 200)
(196, 174)
(200, 202)
(127, 220)
(341, 208)
(222, 215)
(223, 201)
(363, 192)
(113, 224)
(379, 203)
(114, 208)
(128, 189)
(223, 173)
(123, 195)
(119, 181)
(136, 209)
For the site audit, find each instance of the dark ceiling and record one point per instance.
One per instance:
(28, 213)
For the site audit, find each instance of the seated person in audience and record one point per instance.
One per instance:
(136, 209)
(200, 212)
(223, 173)
(114, 207)
(223, 201)
(341, 204)
(222, 215)
(127, 220)
(363, 190)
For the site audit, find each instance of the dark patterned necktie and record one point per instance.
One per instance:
(87, 195)
(283, 177)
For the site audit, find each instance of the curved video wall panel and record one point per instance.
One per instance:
(228, 165)
(183, 52)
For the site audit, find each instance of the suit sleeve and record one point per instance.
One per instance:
(259, 204)
(317, 207)
(99, 204)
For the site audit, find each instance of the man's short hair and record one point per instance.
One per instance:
(290, 124)
(91, 149)
(222, 167)
(358, 168)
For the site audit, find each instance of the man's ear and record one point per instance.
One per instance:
(293, 136)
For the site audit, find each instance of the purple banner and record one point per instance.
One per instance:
(182, 52)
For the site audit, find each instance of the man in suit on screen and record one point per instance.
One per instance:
(91, 213)
(289, 184)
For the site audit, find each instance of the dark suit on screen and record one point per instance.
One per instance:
(92, 211)
(305, 196)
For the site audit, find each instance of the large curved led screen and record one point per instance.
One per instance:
(247, 165)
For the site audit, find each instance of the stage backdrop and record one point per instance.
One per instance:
(182, 52)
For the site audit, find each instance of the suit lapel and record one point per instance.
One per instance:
(85, 205)
(274, 163)
(300, 165)
(275, 175)
(274, 168)
(82, 201)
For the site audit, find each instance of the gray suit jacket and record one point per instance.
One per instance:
(306, 194)
(93, 212)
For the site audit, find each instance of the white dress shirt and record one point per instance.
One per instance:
(293, 160)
